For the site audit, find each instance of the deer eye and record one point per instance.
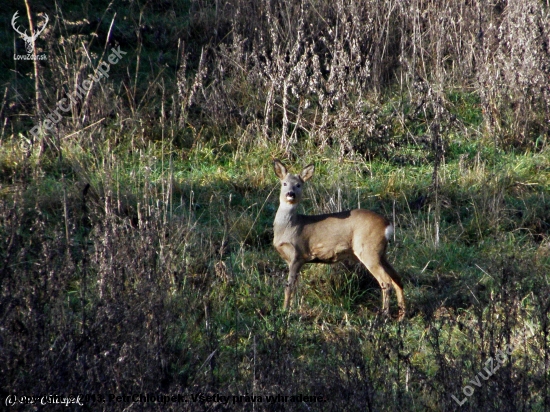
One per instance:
(284, 184)
(298, 186)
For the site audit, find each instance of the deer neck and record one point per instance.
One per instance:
(287, 216)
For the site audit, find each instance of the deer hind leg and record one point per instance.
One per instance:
(290, 287)
(387, 278)
(397, 286)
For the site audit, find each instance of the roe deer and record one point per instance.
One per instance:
(355, 234)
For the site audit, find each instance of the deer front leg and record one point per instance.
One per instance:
(290, 287)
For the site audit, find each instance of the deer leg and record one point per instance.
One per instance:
(385, 282)
(397, 286)
(385, 274)
(386, 289)
(376, 268)
(290, 287)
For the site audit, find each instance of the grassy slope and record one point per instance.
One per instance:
(160, 277)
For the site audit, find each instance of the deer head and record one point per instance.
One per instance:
(29, 40)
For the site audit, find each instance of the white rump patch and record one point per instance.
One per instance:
(389, 231)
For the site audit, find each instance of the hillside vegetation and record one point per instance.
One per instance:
(136, 225)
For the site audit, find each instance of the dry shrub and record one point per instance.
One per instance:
(82, 314)
(298, 68)
(304, 67)
(513, 70)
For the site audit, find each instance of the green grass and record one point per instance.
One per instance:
(333, 329)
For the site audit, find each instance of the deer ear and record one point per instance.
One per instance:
(307, 172)
(280, 169)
